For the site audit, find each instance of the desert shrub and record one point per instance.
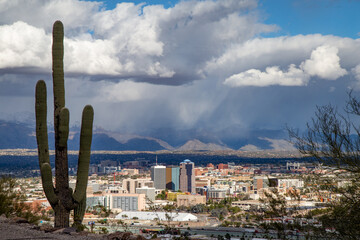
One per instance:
(12, 202)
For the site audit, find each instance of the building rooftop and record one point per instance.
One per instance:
(187, 161)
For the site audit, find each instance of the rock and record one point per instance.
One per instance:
(124, 236)
(34, 227)
(138, 237)
(47, 228)
(4, 219)
(119, 236)
(19, 220)
(68, 230)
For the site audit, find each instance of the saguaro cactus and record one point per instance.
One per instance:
(61, 197)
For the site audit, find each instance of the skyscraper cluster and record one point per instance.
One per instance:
(175, 178)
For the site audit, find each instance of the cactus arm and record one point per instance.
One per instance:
(63, 127)
(41, 122)
(79, 212)
(42, 141)
(46, 177)
(84, 153)
(58, 70)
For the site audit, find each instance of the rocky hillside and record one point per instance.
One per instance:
(196, 145)
(18, 228)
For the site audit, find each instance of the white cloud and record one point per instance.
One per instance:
(356, 72)
(22, 45)
(324, 63)
(125, 91)
(76, 15)
(272, 76)
(131, 41)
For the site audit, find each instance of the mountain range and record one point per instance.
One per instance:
(21, 135)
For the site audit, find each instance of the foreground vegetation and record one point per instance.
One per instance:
(13, 203)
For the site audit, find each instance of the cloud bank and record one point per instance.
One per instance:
(323, 63)
(205, 65)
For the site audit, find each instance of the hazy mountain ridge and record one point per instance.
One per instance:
(196, 145)
(125, 138)
(16, 135)
(21, 135)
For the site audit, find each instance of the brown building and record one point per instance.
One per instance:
(200, 171)
(190, 200)
(222, 166)
(210, 165)
(187, 176)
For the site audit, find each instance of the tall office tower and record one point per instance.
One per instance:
(158, 175)
(172, 178)
(187, 176)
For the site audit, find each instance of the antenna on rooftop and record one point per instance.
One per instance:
(156, 160)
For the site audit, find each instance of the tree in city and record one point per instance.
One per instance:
(276, 209)
(333, 139)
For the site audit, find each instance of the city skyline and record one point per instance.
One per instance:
(208, 65)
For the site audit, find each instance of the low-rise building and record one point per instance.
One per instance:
(216, 194)
(149, 193)
(190, 200)
(290, 183)
(132, 184)
(118, 201)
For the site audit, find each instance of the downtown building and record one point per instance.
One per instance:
(187, 176)
(173, 178)
(118, 202)
(130, 185)
(158, 176)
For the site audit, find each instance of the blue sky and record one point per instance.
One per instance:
(219, 68)
(111, 4)
(337, 17)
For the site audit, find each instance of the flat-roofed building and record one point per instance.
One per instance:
(132, 184)
(158, 175)
(118, 201)
(172, 178)
(216, 194)
(149, 193)
(290, 183)
(190, 200)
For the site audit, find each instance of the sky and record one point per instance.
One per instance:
(208, 65)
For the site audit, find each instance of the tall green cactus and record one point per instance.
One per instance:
(62, 198)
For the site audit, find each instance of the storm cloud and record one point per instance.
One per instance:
(204, 65)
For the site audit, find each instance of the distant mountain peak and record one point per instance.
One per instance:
(197, 145)
(125, 138)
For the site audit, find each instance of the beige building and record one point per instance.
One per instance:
(130, 185)
(190, 200)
